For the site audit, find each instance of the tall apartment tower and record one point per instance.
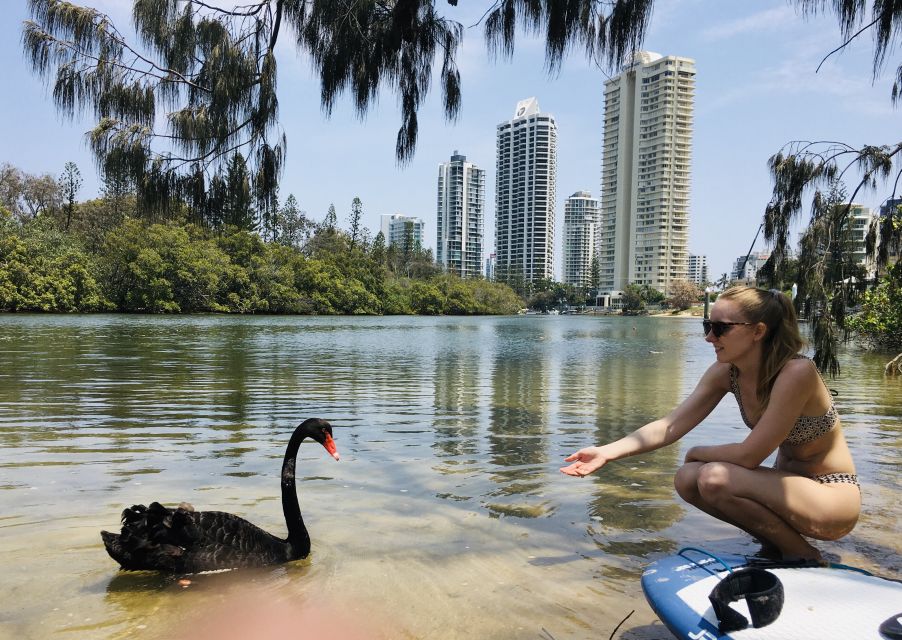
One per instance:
(461, 217)
(526, 166)
(396, 228)
(645, 179)
(580, 239)
(746, 267)
(698, 269)
(856, 229)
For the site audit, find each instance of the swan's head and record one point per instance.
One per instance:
(321, 431)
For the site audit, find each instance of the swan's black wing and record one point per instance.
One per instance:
(184, 540)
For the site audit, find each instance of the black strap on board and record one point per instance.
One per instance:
(892, 627)
(762, 591)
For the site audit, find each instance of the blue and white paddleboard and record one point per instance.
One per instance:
(819, 602)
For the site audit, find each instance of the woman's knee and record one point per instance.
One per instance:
(713, 480)
(685, 481)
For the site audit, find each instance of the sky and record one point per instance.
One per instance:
(757, 89)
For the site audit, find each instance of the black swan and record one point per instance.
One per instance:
(183, 540)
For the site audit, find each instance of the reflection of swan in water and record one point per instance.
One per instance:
(184, 540)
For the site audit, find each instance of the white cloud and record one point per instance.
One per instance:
(768, 20)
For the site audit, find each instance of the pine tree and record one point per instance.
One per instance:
(213, 70)
(70, 183)
(237, 208)
(331, 219)
(292, 227)
(378, 251)
(354, 221)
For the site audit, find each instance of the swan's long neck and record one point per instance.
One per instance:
(297, 531)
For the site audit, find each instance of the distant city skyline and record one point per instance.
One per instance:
(757, 89)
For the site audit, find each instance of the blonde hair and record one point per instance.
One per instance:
(782, 340)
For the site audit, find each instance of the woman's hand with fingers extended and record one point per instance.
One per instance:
(585, 461)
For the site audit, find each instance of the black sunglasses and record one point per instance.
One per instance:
(719, 328)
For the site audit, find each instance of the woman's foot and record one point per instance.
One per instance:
(768, 551)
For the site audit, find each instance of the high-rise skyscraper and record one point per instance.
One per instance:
(398, 229)
(461, 217)
(580, 239)
(746, 268)
(698, 269)
(490, 267)
(645, 175)
(526, 166)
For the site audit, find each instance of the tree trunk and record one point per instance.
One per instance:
(894, 366)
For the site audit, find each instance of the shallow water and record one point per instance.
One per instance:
(446, 516)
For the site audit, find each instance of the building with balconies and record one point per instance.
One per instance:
(461, 217)
(580, 239)
(645, 181)
(698, 270)
(526, 164)
(400, 230)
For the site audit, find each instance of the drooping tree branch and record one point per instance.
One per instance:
(213, 71)
(885, 21)
(826, 267)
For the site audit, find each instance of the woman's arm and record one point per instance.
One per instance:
(792, 390)
(659, 433)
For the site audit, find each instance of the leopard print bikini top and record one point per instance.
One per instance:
(806, 429)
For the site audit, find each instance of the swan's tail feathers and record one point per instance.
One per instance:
(153, 537)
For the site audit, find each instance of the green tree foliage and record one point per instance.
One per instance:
(818, 169)
(70, 183)
(880, 320)
(354, 226)
(829, 276)
(633, 300)
(26, 196)
(550, 295)
(177, 266)
(594, 276)
(651, 295)
(331, 219)
(637, 297)
(377, 250)
(42, 269)
(97, 217)
(164, 268)
(684, 294)
(237, 205)
(292, 228)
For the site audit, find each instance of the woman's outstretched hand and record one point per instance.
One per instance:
(585, 461)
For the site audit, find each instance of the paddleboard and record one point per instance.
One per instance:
(838, 601)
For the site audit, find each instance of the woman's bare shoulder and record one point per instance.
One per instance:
(800, 371)
(718, 375)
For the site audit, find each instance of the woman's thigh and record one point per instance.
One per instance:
(823, 511)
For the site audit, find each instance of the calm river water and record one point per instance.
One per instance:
(446, 517)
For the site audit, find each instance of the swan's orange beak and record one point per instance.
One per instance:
(329, 444)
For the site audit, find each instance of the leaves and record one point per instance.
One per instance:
(213, 72)
(826, 261)
(879, 321)
(181, 267)
(41, 270)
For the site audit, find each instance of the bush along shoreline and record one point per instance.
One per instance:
(174, 266)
